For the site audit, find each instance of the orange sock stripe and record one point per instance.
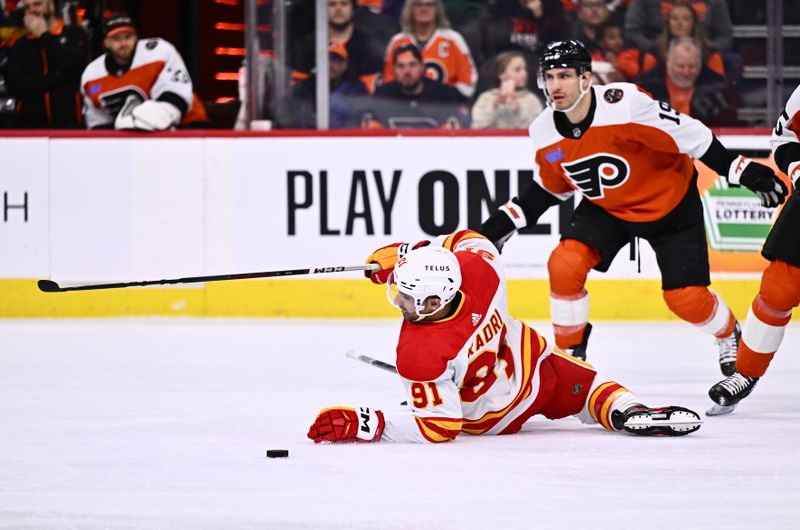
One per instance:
(752, 363)
(768, 314)
(568, 336)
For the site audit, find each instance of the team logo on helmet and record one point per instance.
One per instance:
(593, 174)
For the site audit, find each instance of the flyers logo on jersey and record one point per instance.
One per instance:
(593, 174)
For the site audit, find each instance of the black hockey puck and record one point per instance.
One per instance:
(277, 453)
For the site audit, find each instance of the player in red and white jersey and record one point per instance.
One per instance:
(779, 293)
(468, 366)
(630, 157)
(445, 52)
(146, 77)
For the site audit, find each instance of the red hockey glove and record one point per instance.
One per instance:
(343, 424)
(759, 179)
(387, 258)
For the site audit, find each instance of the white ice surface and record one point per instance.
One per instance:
(143, 424)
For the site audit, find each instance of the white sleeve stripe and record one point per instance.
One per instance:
(760, 336)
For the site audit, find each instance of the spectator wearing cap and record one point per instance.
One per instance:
(138, 83)
(645, 20)
(445, 53)
(691, 87)
(412, 100)
(44, 70)
(364, 56)
(346, 89)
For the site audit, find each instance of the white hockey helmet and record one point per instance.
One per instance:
(424, 272)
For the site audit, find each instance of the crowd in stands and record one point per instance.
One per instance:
(420, 63)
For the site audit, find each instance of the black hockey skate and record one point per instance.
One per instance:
(579, 350)
(732, 390)
(727, 351)
(664, 421)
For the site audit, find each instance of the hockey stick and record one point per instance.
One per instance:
(372, 362)
(49, 286)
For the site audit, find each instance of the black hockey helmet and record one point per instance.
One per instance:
(565, 54)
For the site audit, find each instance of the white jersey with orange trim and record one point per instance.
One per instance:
(157, 68)
(634, 160)
(447, 59)
(475, 371)
(787, 132)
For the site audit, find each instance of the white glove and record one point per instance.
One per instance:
(150, 115)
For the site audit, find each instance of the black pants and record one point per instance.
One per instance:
(678, 238)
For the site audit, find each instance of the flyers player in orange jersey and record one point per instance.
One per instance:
(138, 84)
(630, 157)
(779, 293)
(469, 367)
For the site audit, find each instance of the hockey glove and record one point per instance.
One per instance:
(343, 424)
(150, 115)
(387, 258)
(759, 179)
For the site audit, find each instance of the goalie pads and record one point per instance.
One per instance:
(149, 115)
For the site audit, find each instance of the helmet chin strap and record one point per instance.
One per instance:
(577, 101)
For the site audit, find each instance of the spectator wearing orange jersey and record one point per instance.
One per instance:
(682, 21)
(645, 19)
(445, 53)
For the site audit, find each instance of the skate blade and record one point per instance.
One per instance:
(720, 410)
(676, 424)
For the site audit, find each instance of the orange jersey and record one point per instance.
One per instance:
(475, 371)
(447, 59)
(634, 160)
(157, 68)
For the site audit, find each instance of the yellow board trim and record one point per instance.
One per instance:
(352, 298)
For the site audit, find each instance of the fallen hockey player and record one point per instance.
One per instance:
(468, 366)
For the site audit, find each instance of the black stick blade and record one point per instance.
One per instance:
(48, 286)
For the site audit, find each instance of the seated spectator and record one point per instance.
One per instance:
(645, 20)
(44, 70)
(525, 25)
(682, 22)
(364, 57)
(445, 52)
(589, 17)
(691, 87)
(612, 51)
(511, 105)
(299, 111)
(138, 83)
(388, 8)
(412, 100)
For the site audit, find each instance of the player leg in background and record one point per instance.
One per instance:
(568, 267)
(682, 255)
(593, 398)
(590, 241)
(763, 331)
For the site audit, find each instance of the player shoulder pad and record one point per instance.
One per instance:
(421, 355)
(94, 70)
(154, 49)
